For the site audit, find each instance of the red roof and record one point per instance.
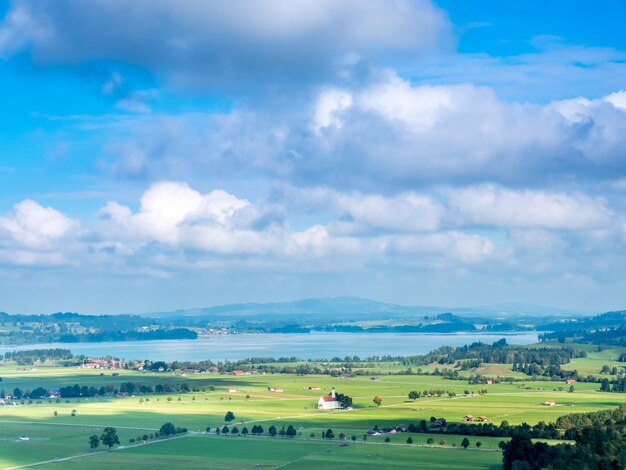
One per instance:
(328, 398)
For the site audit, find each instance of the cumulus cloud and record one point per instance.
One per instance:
(34, 235)
(212, 41)
(393, 132)
(31, 224)
(501, 207)
(168, 208)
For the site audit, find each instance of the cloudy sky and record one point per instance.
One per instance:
(161, 154)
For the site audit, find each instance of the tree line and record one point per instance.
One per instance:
(600, 442)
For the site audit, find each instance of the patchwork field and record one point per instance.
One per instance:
(54, 433)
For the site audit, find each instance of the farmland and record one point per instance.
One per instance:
(58, 428)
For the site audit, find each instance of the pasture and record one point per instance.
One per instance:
(54, 433)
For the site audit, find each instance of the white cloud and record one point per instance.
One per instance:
(329, 105)
(31, 224)
(408, 212)
(451, 246)
(617, 99)
(168, 209)
(209, 41)
(501, 207)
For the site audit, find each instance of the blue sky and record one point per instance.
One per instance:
(170, 155)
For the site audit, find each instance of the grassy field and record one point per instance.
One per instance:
(53, 437)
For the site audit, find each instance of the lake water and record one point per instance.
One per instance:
(302, 346)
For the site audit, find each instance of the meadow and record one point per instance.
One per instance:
(53, 431)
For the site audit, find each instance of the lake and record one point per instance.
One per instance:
(302, 346)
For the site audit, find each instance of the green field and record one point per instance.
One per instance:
(56, 437)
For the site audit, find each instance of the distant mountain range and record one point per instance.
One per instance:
(359, 309)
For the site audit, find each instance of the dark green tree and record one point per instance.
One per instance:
(94, 442)
(230, 416)
(168, 429)
(109, 437)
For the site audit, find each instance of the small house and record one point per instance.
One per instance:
(468, 418)
(549, 403)
(570, 381)
(232, 390)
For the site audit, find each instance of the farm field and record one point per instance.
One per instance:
(53, 431)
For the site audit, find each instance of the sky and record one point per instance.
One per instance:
(159, 154)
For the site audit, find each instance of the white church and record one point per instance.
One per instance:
(328, 402)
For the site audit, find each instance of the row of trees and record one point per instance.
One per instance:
(257, 430)
(435, 425)
(78, 391)
(109, 436)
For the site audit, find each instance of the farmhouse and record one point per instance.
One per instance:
(275, 389)
(232, 390)
(549, 403)
(468, 418)
(328, 402)
(570, 381)
(315, 388)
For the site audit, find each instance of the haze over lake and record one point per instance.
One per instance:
(303, 346)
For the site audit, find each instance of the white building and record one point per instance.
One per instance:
(328, 402)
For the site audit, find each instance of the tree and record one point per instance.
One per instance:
(330, 434)
(272, 430)
(94, 442)
(605, 386)
(39, 392)
(387, 439)
(342, 436)
(571, 389)
(378, 400)
(109, 437)
(291, 431)
(465, 443)
(442, 442)
(244, 431)
(478, 444)
(430, 441)
(409, 440)
(235, 430)
(73, 412)
(230, 416)
(168, 429)
(414, 395)
(225, 430)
